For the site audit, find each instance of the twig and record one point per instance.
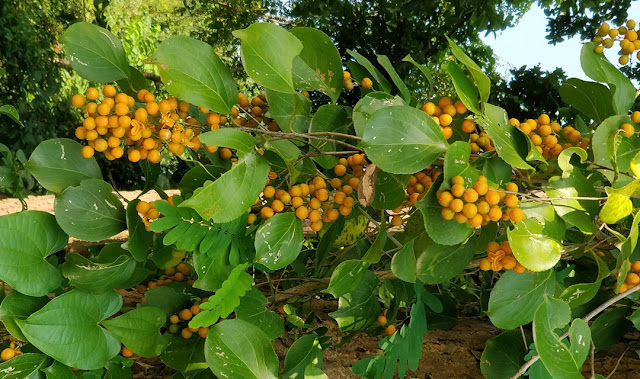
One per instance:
(376, 223)
(593, 367)
(617, 363)
(524, 338)
(523, 369)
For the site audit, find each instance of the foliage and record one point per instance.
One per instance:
(281, 201)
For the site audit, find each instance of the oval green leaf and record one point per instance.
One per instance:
(533, 248)
(193, 72)
(515, 297)
(268, 52)
(57, 164)
(229, 196)
(67, 329)
(319, 65)
(237, 349)
(90, 211)
(243, 142)
(95, 53)
(402, 140)
(328, 118)
(97, 277)
(139, 330)
(26, 240)
(279, 241)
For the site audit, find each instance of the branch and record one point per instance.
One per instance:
(586, 318)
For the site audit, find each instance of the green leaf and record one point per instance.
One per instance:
(193, 72)
(118, 368)
(346, 277)
(592, 99)
(573, 184)
(289, 153)
(97, 277)
(67, 329)
(402, 140)
(198, 175)
(253, 309)
(560, 360)
(503, 355)
(328, 118)
(140, 240)
(26, 239)
(533, 248)
(90, 211)
(597, 67)
(17, 306)
(290, 110)
(403, 263)
(243, 142)
(634, 318)
(268, 52)
(319, 65)
(184, 355)
(305, 351)
(511, 144)
(138, 330)
(25, 366)
(481, 80)
(229, 196)
(554, 227)
(368, 105)
(58, 371)
(359, 308)
(439, 263)
(515, 297)
(609, 327)
(578, 294)
(425, 71)
(225, 300)
(237, 349)
(456, 163)
(57, 164)
(134, 83)
(95, 53)
(384, 61)
(376, 75)
(211, 270)
(167, 298)
(374, 253)
(618, 205)
(389, 190)
(604, 139)
(465, 89)
(11, 112)
(497, 171)
(279, 241)
(443, 232)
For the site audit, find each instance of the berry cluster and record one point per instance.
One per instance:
(179, 273)
(382, 320)
(545, 135)
(626, 35)
(348, 82)
(319, 200)
(250, 113)
(444, 112)
(632, 278)
(10, 352)
(480, 204)
(148, 212)
(480, 142)
(183, 318)
(500, 256)
(419, 184)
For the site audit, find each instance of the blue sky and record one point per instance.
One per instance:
(525, 44)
